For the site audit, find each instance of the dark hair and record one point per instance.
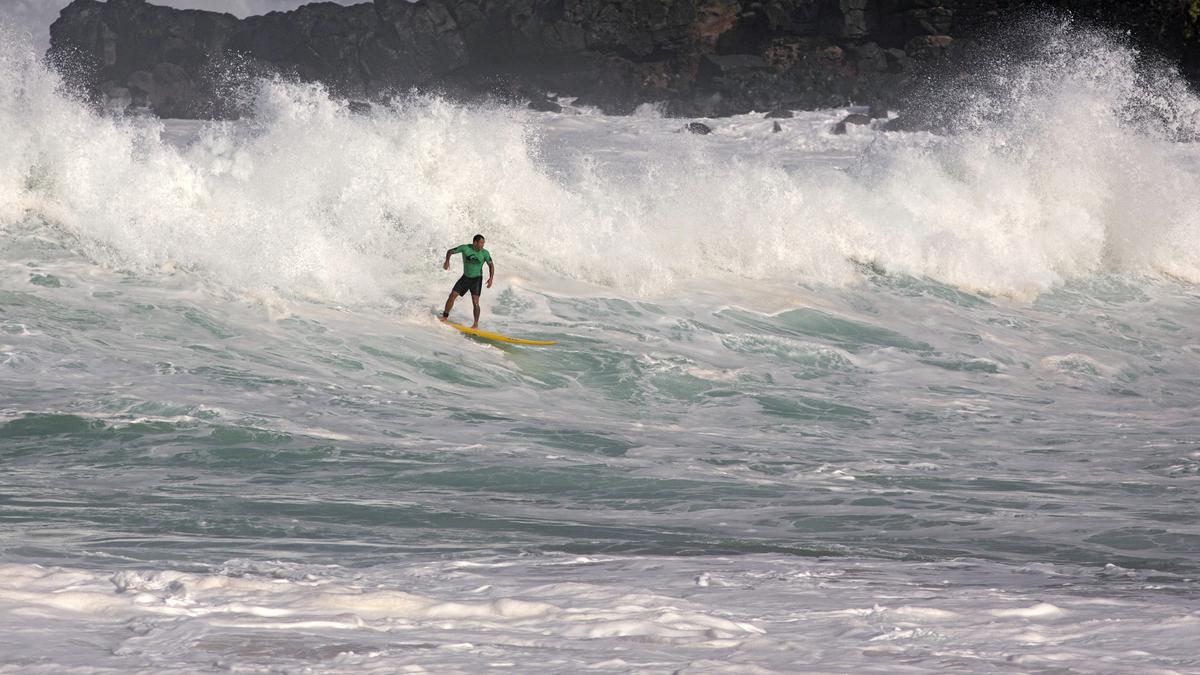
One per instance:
(476, 238)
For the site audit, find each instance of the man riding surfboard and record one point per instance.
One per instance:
(474, 256)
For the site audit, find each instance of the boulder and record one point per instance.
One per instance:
(928, 46)
(544, 105)
(853, 118)
(868, 57)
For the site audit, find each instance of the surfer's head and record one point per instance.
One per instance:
(477, 242)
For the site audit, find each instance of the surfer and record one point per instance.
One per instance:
(474, 256)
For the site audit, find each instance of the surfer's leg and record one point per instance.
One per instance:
(449, 305)
(460, 289)
(476, 288)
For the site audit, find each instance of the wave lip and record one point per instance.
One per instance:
(1066, 165)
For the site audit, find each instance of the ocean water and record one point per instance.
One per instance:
(862, 403)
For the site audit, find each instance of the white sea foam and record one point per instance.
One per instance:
(312, 200)
(764, 614)
(721, 467)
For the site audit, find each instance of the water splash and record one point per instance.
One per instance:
(1069, 164)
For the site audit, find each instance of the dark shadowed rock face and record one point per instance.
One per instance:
(853, 118)
(166, 67)
(703, 58)
(180, 62)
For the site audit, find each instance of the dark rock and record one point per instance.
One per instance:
(697, 103)
(545, 105)
(116, 99)
(853, 118)
(898, 61)
(904, 123)
(700, 57)
(699, 128)
(614, 84)
(781, 113)
(713, 66)
(928, 46)
(868, 57)
(776, 128)
(161, 56)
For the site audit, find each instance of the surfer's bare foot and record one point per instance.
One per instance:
(475, 326)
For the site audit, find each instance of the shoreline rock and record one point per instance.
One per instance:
(699, 58)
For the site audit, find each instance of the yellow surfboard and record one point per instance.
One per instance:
(475, 332)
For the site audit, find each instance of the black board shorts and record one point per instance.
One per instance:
(472, 284)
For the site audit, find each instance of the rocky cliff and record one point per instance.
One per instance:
(700, 57)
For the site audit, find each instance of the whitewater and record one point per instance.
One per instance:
(871, 402)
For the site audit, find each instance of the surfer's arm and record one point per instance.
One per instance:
(491, 273)
(446, 264)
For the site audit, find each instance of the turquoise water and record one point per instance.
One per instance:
(899, 427)
(916, 423)
(862, 403)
